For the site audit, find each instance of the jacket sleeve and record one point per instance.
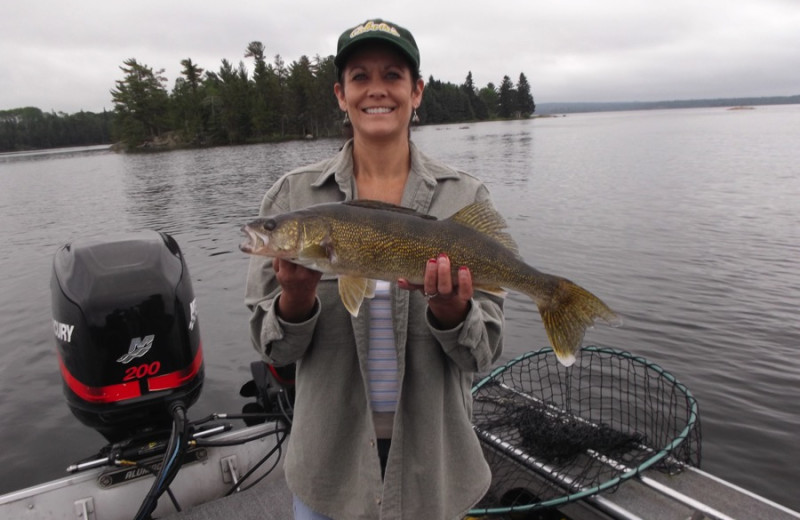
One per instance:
(476, 343)
(279, 342)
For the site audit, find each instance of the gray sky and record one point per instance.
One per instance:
(65, 56)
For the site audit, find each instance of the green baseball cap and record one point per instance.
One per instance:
(377, 29)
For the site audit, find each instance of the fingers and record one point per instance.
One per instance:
(296, 279)
(449, 304)
(404, 284)
(430, 285)
(444, 280)
(298, 290)
(289, 273)
(438, 281)
(465, 289)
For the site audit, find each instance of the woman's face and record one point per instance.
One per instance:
(378, 92)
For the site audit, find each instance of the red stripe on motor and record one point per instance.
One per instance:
(99, 394)
(177, 378)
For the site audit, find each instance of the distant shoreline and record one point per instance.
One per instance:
(543, 109)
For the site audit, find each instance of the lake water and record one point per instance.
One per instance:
(687, 222)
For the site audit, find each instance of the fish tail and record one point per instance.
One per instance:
(566, 315)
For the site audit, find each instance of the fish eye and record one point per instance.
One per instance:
(269, 224)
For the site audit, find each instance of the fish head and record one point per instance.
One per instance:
(272, 236)
(287, 236)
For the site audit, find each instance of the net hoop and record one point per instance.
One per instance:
(681, 448)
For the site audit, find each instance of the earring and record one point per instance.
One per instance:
(346, 121)
(415, 117)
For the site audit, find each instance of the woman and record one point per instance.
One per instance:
(383, 405)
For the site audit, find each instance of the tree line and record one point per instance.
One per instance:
(29, 128)
(232, 106)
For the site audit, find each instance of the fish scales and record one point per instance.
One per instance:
(384, 247)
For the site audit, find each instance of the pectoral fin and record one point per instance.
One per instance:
(353, 290)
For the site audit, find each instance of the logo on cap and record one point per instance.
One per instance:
(372, 26)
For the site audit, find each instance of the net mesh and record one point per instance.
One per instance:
(553, 434)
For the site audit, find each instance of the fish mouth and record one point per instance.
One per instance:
(254, 241)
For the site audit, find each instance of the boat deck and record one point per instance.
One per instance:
(94, 495)
(268, 500)
(692, 494)
(635, 499)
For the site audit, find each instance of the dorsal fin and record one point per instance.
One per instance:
(387, 206)
(481, 216)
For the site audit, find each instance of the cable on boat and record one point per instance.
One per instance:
(172, 460)
(278, 447)
(124, 453)
(149, 468)
(206, 443)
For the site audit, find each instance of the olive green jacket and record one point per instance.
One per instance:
(435, 469)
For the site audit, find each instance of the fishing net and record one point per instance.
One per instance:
(553, 434)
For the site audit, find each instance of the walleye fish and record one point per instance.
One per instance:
(363, 241)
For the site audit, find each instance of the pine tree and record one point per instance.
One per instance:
(507, 99)
(187, 103)
(478, 108)
(234, 102)
(490, 98)
(525, 103)
(262, 102)
(140, 103)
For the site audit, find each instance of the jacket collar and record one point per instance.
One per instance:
(423, 177)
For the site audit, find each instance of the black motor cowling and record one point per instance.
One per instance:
(125, 322)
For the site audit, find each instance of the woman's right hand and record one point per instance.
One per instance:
(298, 290)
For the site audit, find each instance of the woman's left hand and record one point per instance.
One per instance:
(449, 303)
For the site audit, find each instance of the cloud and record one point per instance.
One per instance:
(66, 56)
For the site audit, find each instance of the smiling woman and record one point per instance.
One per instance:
(369, 436)
(382, 91)
(375, 69)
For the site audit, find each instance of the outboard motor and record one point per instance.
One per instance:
(128, 341)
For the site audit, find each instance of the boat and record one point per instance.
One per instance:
(207, 474)
(201, 488)
(125, 322)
